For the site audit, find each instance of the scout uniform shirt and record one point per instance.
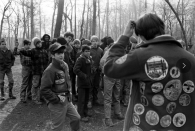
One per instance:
(163, 93)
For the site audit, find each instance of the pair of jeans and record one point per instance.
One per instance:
(35, 90)
(125, 90)
(111, 86)
(25, 90)
(58, 113)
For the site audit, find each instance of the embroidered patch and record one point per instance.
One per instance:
(165, 121)
(121, 60)
(135, 128)
(175, 72)
(188, 86)
(152, 118)
(142, 86)
(172, 90)
(157, 87)
(171, 107)
(158, 100)
(144, 100)
(156, 68)
(184, 100)
(179, 119)
(139, 109)
(136, 119)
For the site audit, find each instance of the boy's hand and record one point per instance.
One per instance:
(62, 98)
(129, 30)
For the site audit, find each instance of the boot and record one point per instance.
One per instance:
(2, 92)
(10, 91)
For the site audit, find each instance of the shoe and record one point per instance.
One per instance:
(119, 116)
(2, 98)
(89, 105)
(84, 119)
(12, 97)
(38, 102)
(108, 122)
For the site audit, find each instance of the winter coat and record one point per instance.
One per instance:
(6, 59)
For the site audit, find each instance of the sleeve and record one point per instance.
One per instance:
(77, 69)
(28, 53)
(47, 82)
(120, 65)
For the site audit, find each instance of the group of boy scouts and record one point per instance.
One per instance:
(66, 69)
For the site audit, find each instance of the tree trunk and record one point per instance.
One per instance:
(107, 18)
(24, 21)
(99, 17)
(82, 23)
(182, 28)
(94, 18)
(135, 10)
(75, 21)
(40, 23)
(53, 16)
(87, 28)
(32, 19)
(59, 18)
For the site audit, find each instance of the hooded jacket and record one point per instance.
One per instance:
(163, 77)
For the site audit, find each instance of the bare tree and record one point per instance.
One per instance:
(82, 22)
(59, 18)
(75, 17)
(32, 19)
(94, 17)
(53, 16)
(3, 15)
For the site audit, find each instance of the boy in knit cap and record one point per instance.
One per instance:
(6, 62)
(56, 89)
(39, 57)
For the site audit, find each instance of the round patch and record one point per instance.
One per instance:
(188, 86)
(184, 100)
(175, 72)
(172, 90)
(157, 87)
(142, 86)
(158, 100)
(152, 118)
(135, 128)
(121, 60)
(165, 121)
(171, 107)
(136, 119)
(179, 119)
(144, 100)
(139, 109)
(156, 68)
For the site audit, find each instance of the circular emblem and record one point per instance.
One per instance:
(121, 60)
(175, 72)
(139, 109)
(135, 128)
(157, 87)
(144, 100)
(171, 107)
(179, 119)
(165, 121)
(136, 119)
(184, 100)
(158, 100)
(188, 86)
(172, 90)
(142, 87)
(152, 118)
(156, 68)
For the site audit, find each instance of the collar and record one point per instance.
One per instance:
(57, 64)
(165, 39)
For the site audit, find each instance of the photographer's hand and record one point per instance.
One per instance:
(129, 30)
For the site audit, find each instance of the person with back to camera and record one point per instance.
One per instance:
(163, 78)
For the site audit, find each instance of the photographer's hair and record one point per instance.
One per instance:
(149, 26)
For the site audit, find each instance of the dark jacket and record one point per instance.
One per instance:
(39, 59)
(55, 80)
(163, 83)
(45, 44)
(6, 59)
(82, 69)
(96, 54)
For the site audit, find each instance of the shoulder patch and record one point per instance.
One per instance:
(121, 60)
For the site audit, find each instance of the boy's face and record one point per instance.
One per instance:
(68, 39)
(3, 45)
(58, 56)
(77, 45)
(46, 38)
(94, 43)
(86, 53)
(39, 45)
(27, 46)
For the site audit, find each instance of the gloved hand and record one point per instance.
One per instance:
(69, 97)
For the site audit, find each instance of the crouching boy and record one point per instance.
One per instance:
(56, 88)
